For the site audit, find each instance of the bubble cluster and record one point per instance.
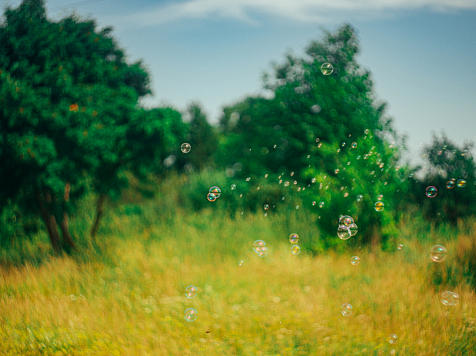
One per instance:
(379, 206)
(294, 238)
(392, 339)
(185, 147)
(211, 197)
(259, 246)
(295, 250)
(190, 314)
(346, 309)
(214, 193)
(343, 232)
(438, 253)
(450, 298)
(327, 69)
(191, 292)
(431, 192)
(355, 260)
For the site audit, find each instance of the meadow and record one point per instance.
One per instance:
(126, 296)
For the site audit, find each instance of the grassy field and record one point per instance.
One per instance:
(131, 301)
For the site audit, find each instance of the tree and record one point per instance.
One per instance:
(69, 119)
(324, 127)
(451, 171)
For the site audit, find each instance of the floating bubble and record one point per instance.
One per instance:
(315, 109)
(450, 298)
(346, 309)
(392, 339)
(379, 206)
(321, 204)
(359, 198)
(286, 184)
(380, 197)
(191, 291)
(354, 145)
(294, 238)
(185, 148)
(314, 203)
(313, 180)
(233, 186)
(259, 246)
(431, 192)
(327, 69)
(215, 191)
(336, 171)
(343, 232)
(438, 253)
(450, 184)
(211, 197)
(366, 131)
(461, 183)
(317, 139)
(343, 144)
(353, 228)
(266, 207)
(355, 260)
(241, 263)
(190, 314)
(295, 250)
(346, 220)
(400, 246)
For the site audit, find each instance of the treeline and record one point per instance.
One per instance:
(70, 125)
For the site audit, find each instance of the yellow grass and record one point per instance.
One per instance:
(281, 304)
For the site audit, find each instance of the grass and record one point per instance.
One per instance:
(131, 301)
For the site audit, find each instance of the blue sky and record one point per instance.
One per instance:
(422, 53)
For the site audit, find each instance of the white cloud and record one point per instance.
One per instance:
(296, 10)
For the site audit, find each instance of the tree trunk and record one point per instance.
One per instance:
(50, 223)
(67, 238)
(99, 211)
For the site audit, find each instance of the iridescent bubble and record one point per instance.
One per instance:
(314, 203)
(354, 145)
(399, 246)
(327, 69)
(211, 197)
(185, 148)
(321, 204)
(431, 192)
(294, 238)
(336, 171)
(286, 184)
(241, 263)
(215, 191)
(233, 186)
(438, 253)
(191, 291)
(379, 206)
(380, 197)
(260, 248)
(461, 183)
(353, 228)
(346, 220)
(450, 298)
(392, 339)
(343, 144)
(266, 207)
(346, 309)
(450, 184)
(313, 180)
(190, 314)
(360, 197)
(366, 131)
(295, 250)
(355, 260)
(343, 232)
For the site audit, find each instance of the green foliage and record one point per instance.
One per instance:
(310, 126)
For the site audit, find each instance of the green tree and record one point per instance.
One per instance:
(326, 130)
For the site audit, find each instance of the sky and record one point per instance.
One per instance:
(421, 53)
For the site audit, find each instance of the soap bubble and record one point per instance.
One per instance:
(438, 253)
(353, 228)
(346, 309)
(343, 232)
(191, 292)
(392, 339)
(215, 191)
(321, 204)
(400, 246)
(431, 192)
(461, 183)
(190, 314)
(241, 263)
(233, 186)
(266, 207)
(211, 197)
(327, 68)
(336, 171)
(355, 260)
(450, 184)
(295, 250)
(260, 248)
(346, 220)
(185, 148)
(294, 238)
(450, 298)
(314, 203)
(379, 206)
(366, 131)
(354, 145)
(380, 197)
(360, 197)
